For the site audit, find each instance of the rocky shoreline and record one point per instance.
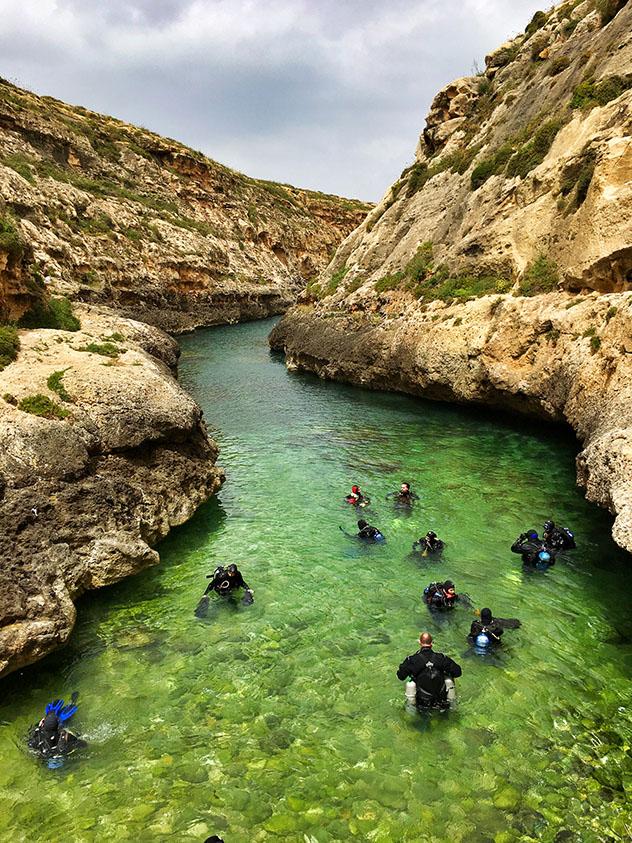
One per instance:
(101, 454)
(553, 356)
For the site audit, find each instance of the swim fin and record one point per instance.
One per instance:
(66, 712)
(54, 706)
(201, 610)
(508, 623)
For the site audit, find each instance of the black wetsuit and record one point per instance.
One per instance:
(426, 545)
(530, 549)
(370, 533)
(437, 597)
(559, 538)
(224, 584)
(492, 629)
(430, 681)
(403, 498)
(51, 743)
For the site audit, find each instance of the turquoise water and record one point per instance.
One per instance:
(284, 720)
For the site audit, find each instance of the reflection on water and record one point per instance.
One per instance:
(284, 720)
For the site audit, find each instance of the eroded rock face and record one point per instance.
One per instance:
(558, 101)
(87, 496)
(119, 216)
(549, 356)
(522, 183)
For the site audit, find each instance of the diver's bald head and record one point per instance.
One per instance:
(425, 639)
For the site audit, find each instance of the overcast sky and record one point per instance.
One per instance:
(318, 93)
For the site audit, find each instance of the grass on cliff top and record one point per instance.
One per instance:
(105, 349)
(109, 138)
(423, 279)
(51, 313)
(41, 405)
(55, 384)
(9, 345)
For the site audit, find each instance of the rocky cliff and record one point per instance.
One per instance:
(101, 453)
(496, 269)
(112, 213)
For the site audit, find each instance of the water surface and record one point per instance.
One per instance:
(284, 720)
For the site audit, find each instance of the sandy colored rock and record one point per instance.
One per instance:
(502, 226)
(120, 216)
(524, 173)
(86, 497)
(535, 356)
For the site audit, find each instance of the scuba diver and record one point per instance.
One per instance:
(431, 676)
(225, 582)
(534, 551)
(558, 538)
(50, 739)
(404, 497)
(365, 532)
(357, 497)
(487, 631)
(429, 544)
(440, 595)
(368, 533)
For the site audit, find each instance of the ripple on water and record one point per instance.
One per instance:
(285, 720)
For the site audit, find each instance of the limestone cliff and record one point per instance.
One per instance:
(101, 453)
(495, 270)
(115, 214)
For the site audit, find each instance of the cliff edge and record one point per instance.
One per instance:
(101, 453)
(117, 215)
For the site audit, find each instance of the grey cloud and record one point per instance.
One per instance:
(324, 94)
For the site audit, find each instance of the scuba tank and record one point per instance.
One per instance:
(482, 640)
(450, 688)
(410, 692)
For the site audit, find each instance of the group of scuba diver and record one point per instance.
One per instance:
(429, 674)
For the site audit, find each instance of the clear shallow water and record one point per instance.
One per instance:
(285, 719)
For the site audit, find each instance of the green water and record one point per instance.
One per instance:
(284, 720)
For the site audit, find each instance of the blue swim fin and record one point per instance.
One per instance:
(67, 712)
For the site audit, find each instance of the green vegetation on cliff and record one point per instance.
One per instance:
(50, 313)
(41, 405)
(520, 154)
(55, 384)
(541, 276)
(9, 345)
(424, 280)
(11, 241)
